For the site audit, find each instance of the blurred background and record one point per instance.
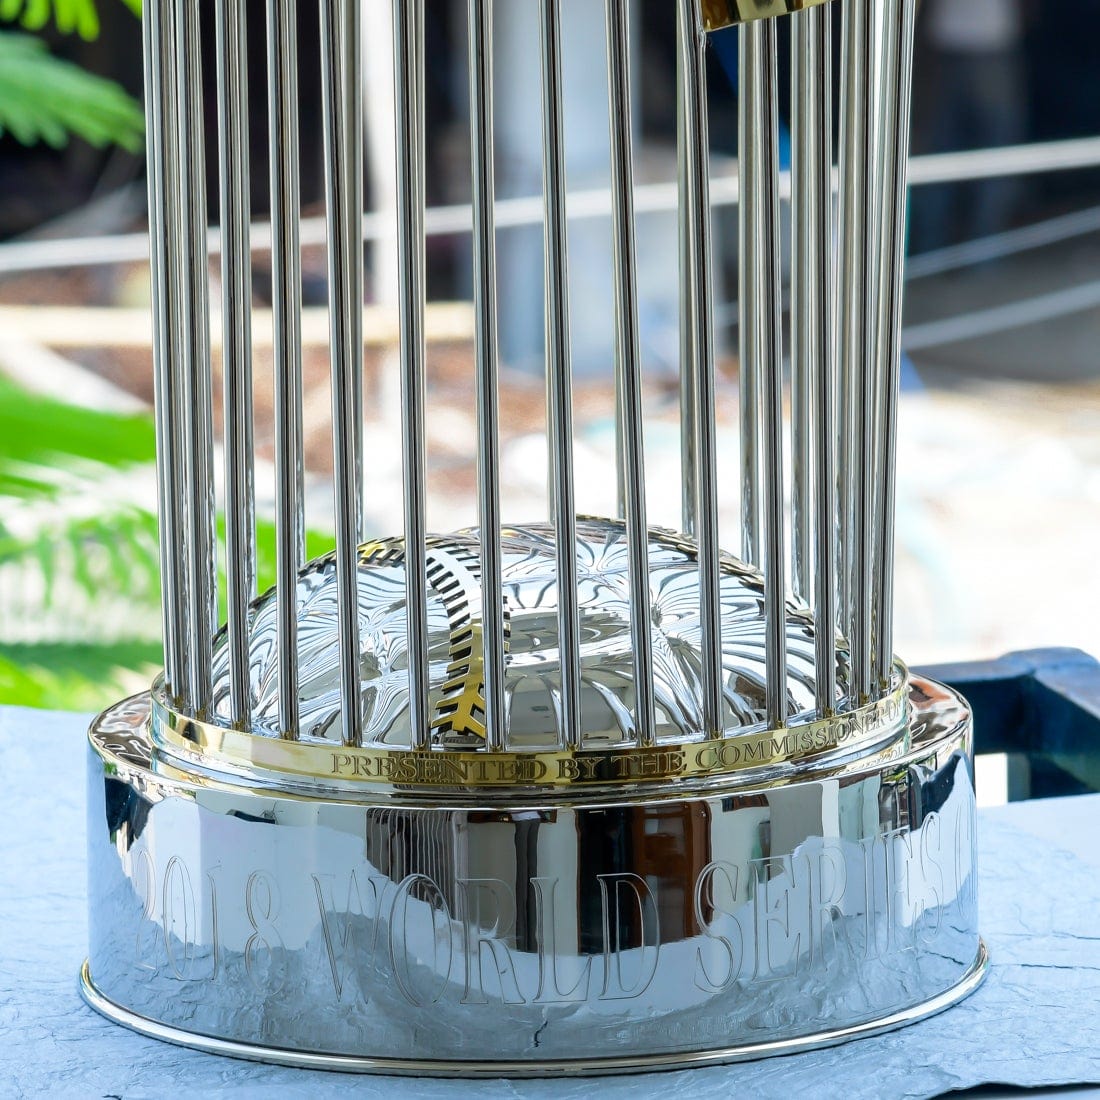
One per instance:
(999, 448)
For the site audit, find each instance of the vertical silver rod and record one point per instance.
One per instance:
(344, 307)
(286, 278)
(408, 40)
(857, 340)
(864, 324)
(807, 230)
(689, 460)
(900, 17)
(628, 365)
(845, 348)
(159, 92)
(198, 425)
(749, 122)
(813, 370)
(761, 313)
(697, 256)
(559, 372)
(488, 402)
(353, 108)
(240, 536)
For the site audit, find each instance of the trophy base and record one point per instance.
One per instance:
(534, 932)
(580, 1067)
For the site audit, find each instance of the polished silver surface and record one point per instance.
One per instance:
(859, 179)
(559, 372)
(696, 275)
(689, 459)
(408, 63)
(286, 309)
(236, 269)
(628, 368)
(338, 38)
(752, 89)
(195, 392)
(163, 200)
(813, 374)
(488, 350)
(761, 316)
(602, 932)
(491, 1070)
(531, 592)
(583, 795)
(899, 20)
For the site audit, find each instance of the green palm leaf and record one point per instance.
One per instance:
(79, 565)
(69, 16)
(43, 98)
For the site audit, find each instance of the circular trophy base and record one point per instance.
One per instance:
(582, 1067)
(597, 930)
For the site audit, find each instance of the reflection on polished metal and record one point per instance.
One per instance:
(584, 794)
(604, 928)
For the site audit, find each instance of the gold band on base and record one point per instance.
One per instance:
(218, 746)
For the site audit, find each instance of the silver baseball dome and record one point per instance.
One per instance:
(532, 670)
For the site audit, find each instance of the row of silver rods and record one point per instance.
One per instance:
(628, 365)
(898, 68)
(761, 315)
(857, 329)
(813, 382)
(689, 461)
(286, 279)
(559, 372)
(163, 212)
(200, 549)
(236, 262)
(696, 261)
(340, 205)
(749, 123)
(408, 38)
(488, 402)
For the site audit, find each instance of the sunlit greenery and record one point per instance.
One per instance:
(79, 576)
(46, 99)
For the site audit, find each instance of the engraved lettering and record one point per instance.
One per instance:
(904, 910)
(420, 940)
(931, 841)
(568, 769)
(719, 925)
(177, 914)
(615, 917)
(828, 880)
(145, 886)
(338, 928)
(590, 765)
(264, 951)
(774, 883)
(553, 988)
(490, 921)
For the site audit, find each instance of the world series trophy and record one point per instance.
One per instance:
(574, 795)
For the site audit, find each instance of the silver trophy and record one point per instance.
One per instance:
(577, 794)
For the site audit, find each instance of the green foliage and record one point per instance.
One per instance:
(43, 98)
(69, 16)
(79, 565)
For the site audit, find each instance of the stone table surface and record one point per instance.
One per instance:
(1035, 1022)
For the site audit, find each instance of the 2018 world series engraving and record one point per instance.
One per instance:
(475, 940)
